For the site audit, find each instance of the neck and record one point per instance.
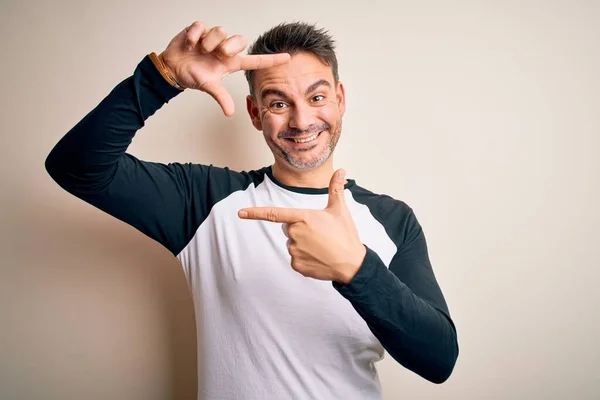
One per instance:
(317, 178)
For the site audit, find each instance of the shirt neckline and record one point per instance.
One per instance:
(304, 190)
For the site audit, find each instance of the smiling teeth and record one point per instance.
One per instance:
(310, 139)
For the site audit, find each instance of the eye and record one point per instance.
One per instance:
(278, 105)
(318, 98)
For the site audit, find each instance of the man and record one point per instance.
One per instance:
(300, 278)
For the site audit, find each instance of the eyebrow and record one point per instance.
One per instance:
(315, 86)
(275, 92)
(279, 93)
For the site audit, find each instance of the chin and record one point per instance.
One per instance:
(301, 163)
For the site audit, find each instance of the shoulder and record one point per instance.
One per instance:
(381, 205)
(396, 216)
(216, 176)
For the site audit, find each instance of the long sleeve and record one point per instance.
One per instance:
(403, 305)
(167, 202)
(85, 160)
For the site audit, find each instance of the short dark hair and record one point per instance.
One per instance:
(294, 38)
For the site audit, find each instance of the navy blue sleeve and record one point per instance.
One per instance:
(167, 202)
(403, 305)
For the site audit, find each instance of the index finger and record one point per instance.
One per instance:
(258, 61)
(272, 214)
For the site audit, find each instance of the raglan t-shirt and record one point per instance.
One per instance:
(264, 330)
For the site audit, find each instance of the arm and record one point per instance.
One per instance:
(404, 307)
(91, 162)
(166, 202)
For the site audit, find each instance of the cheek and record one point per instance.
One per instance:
(273, 124)
(330, 113)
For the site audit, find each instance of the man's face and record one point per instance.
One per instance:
(299, 108)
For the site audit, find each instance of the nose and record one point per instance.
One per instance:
(301, 117)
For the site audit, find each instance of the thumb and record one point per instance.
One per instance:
(221, 95)
(337, 200)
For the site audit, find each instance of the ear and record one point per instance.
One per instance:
(254, 112)
(341, 97)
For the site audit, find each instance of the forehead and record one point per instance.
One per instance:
(300, 72)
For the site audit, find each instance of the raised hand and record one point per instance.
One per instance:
(199, 57)
(324, 244)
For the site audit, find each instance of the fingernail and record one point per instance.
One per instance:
(341, 176)
(242, 214)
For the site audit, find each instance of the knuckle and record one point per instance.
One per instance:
(195, 30)
(291, 230)
(296, 265)
(219, 30)
(272, 215)
(197, 25)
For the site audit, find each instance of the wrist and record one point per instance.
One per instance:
(164, 70)
(349, 270)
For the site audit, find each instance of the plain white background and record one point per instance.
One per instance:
(481, 115)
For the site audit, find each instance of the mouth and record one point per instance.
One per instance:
(305, 140)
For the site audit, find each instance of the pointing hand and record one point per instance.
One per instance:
(323, 244)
